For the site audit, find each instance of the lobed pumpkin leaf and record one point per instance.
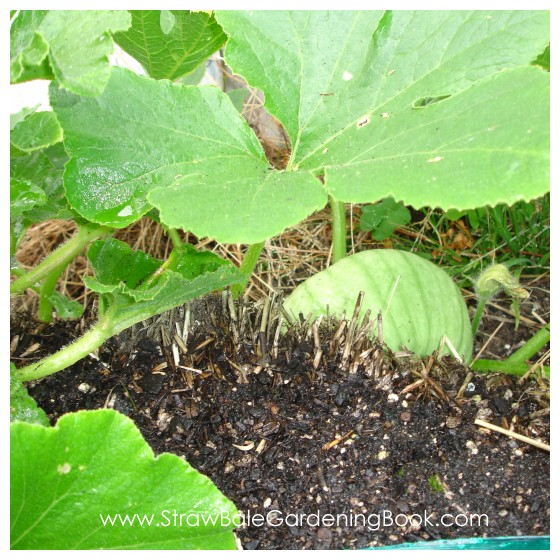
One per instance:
(117, 266)
(138, 286)
(190, 154)
(65, 482)
(413, 105)
(462, 153)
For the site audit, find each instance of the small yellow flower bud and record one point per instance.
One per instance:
(496, 278)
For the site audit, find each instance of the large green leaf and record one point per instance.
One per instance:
(486, 145)
(66, 481)
(413, 104)
(170, 44)
(78, 44)
(184, 149)
(238, 200)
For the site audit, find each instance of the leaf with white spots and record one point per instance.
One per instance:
(65, 482)
(434, 108)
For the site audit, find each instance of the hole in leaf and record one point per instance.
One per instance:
(271, 133)
(425, 101)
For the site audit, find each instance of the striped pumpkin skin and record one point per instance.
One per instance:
(418, 301)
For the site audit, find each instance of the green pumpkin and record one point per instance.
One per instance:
(418, 301)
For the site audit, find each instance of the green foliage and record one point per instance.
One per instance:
(171, 44)
(444, 109)
(36, 131)
(134, 286)
(37, 159)
(448, 109)
(66, 309)
(24, 196)
(418, 302)
(93, 464)
(383, 218)
(516, 235)
(22, 406)
(444, 123)
(72, 46)
(543, 59)
(192, 156)
(349, 92)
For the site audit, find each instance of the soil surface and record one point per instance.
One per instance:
(316, 421)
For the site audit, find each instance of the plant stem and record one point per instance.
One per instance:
(531, 347)
(175, 238)
(47, 288)
(59, 258)
(247, 266)
(338, 212)
(13, 241)
(478, 314)
(516, 364)
(90, 341)
(503, 366)
(17, 271)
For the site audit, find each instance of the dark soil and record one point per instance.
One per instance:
(301, 428)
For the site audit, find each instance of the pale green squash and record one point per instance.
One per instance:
(418, 301)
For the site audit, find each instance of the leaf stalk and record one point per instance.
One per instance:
(60, 258)
(247, 266)
(338, 212)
